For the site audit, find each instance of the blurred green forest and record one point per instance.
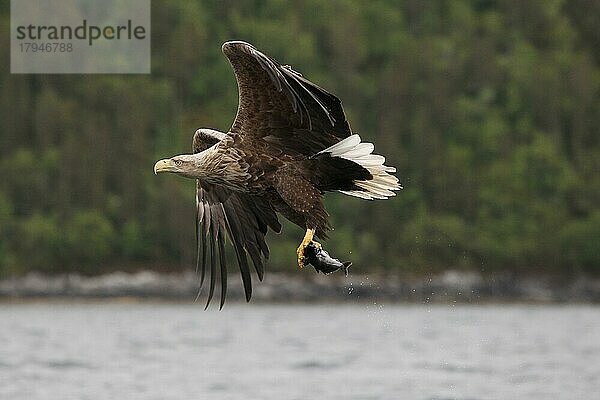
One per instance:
(489, 110)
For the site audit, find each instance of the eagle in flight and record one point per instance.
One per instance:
(289, 144)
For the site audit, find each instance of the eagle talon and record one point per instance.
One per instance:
(300, 252)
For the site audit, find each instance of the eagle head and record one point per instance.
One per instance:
(185, 165)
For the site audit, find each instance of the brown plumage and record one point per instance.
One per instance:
(289, 144)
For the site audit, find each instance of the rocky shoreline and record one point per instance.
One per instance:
(450, 286)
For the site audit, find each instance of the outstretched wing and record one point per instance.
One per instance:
(242, 217)
(280, 106)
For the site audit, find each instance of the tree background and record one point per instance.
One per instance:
(489, 110)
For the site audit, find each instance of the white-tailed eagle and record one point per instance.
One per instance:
(289, 144)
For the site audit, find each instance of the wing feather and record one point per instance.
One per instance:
(223, 264)
(278, 103)
(246, 221)
(213, 270)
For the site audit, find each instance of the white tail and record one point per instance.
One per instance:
(382, 185)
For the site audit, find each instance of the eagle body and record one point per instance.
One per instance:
(290, 143)
(293, 184)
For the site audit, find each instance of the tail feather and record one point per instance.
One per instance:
(382, 185)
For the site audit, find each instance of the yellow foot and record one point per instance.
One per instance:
(300, 254)
(300, 251)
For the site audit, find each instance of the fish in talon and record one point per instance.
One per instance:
(316, 256)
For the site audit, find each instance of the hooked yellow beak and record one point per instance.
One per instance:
(166, 165)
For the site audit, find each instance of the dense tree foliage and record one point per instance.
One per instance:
(489, 109)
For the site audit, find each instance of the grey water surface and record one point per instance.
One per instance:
(312, 351)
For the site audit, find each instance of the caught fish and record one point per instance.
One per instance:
(316, 256)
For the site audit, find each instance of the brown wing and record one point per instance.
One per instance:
(244, 218)
(277, 104)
